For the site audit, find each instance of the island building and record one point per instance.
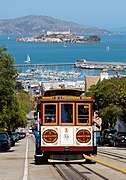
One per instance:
(60, 32)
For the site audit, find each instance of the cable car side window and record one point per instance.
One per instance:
(83, 113)
(66, 113)
(50, 113)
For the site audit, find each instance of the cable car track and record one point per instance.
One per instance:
(114, 156)
(68, 172)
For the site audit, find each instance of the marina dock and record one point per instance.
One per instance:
(83, 64)
(110, 66)
(51, 64)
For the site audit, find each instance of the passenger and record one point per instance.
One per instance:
(47, 119)
(53, 120)
(35, 124)
(97, 126)
(50, 119)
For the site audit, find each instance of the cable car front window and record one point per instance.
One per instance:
(50, 113)
(83, 113)
(66, 113)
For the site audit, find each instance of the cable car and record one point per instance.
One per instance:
(66, 131)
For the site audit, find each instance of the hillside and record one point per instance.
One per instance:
(38, 24)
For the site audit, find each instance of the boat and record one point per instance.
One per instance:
(107, 48)
(28, 59)
(79, 63)
(64, 45)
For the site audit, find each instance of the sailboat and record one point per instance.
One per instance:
(64, 45)
(107, 48)
(28, 59)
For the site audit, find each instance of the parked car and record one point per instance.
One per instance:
(30, 130)
(106, 137)
(119, 139)
(12, 137)
(5, 141)
(16, 135)
(22, 135)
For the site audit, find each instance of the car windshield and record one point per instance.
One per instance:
(2, 135)
(121, 133)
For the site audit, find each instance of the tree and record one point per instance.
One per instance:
(12, 112)
(110, 99)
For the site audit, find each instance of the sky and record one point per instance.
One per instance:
(105, 14)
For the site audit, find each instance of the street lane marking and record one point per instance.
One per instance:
(25, 177)
(104, 163)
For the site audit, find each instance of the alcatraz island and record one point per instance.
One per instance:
(58, 37)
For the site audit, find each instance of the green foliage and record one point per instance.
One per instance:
(110, 99)
(13, 110)
(25, 101)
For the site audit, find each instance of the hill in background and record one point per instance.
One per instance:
(38, 24)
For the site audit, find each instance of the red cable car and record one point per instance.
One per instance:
(66, 131)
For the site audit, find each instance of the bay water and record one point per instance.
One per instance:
(111, 48)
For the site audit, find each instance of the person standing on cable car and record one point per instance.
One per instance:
(35, 124)
(97, 126)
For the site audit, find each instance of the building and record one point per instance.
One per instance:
(92, 80)
(59, 32)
